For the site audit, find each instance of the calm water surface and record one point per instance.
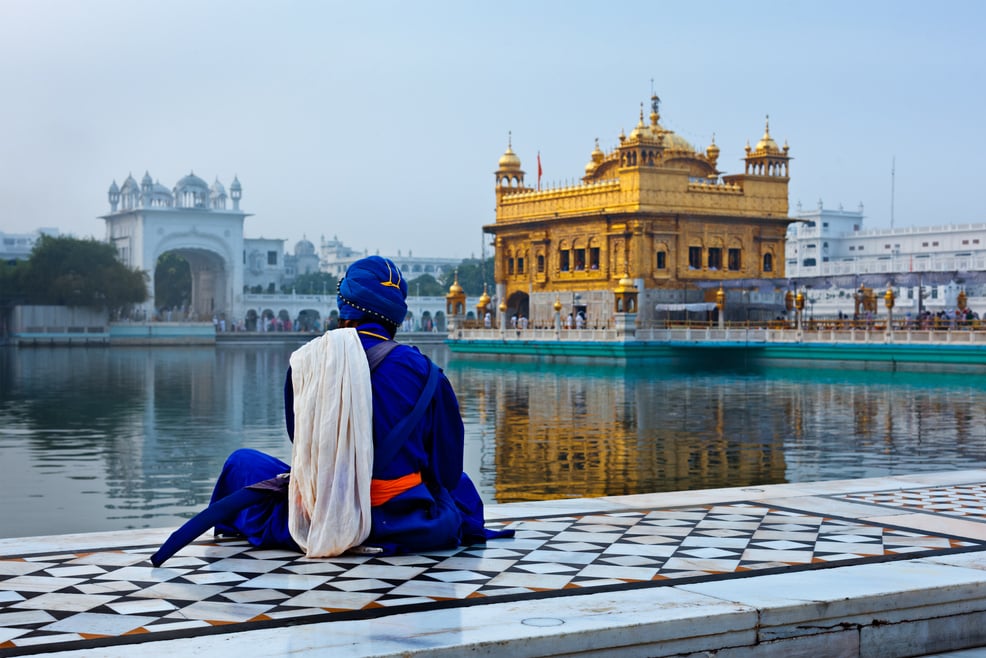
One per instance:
(113, 438)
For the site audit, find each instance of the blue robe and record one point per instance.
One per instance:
(444, 511)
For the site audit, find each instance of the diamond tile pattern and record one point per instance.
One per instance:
(967, 501)
(91, 599)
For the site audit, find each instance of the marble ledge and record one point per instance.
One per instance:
(800, 603)
(675, 620)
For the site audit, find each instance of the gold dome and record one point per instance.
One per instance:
(595, 159)
(484, 299)
(625, 284)
(640, 130)
(713, 150)
(597, 153)
(673, 142)
(767, 143)
(509, 160)
(455, 288)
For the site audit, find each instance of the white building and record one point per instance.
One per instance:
(304, 260)
(18, 246)
(263, 259)
(831, 253)
(335, 258)
(192, 219)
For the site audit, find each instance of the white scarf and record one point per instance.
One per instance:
(332, 456)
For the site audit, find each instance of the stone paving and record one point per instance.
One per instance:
(634, 555)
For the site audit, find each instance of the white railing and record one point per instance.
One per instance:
(712, 334)
(541, 335)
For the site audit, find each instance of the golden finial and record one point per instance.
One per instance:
(455, 288)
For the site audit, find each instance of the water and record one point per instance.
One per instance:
(114, 438)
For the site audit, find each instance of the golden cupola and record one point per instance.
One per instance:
(595, 159)
(455, 288)
(455, 300)
(508, 172)
(766, 145)
(640, 130)
(712, 152)
(712, 155)
(509, 160)
(484, 300)
(766, 159)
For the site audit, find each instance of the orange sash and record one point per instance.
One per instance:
(383, 490)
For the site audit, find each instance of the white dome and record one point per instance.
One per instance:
(304, 248)
(129, 185)
(191, 182)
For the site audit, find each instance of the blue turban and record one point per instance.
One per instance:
(373, 286)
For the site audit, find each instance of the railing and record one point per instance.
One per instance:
(581, 335)
(843, 331)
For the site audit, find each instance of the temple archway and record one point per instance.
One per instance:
(518, 304)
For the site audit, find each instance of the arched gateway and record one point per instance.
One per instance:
(148, 220)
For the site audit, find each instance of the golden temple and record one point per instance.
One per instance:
(654, 213)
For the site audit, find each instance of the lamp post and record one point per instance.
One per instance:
(721, 306)
(799, 304)
(888, 299)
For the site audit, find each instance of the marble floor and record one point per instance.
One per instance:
(90, 591)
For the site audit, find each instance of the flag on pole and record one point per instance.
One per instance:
(539, 171)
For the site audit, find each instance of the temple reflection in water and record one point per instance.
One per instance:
(113, 438)
(567, 431)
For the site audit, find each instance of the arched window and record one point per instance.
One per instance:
(695, 257)
(564, 264)
(578, 255)
(715, 258)
(593, 254)
(768, 262)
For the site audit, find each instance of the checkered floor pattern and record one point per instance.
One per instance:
(91, 599)
(967, 501)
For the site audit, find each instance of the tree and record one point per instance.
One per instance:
(473, 273)
(11, 282)
(425, 286)
(172, 281)
(66, 271)
(314, 283)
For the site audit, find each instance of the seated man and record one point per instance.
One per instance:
(420, 498)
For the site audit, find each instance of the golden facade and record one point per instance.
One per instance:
(654, 211)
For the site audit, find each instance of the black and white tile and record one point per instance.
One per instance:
(93, 598)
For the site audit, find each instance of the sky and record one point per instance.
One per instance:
(381, 123)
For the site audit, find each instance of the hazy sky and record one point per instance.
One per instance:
(382, 122)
